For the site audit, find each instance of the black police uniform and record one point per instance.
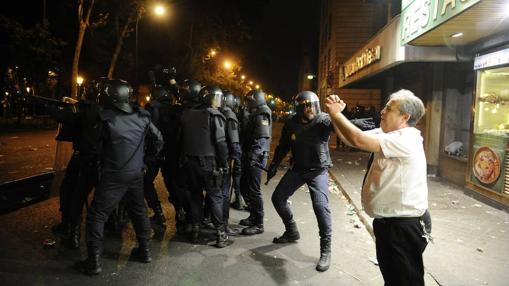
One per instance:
(159, 110)
(85, 160)
(308, 143)
(235, 154)
(204, 150)
(255, 150)
(124, 139)
(239, 174)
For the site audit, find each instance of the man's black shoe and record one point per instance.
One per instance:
(231, 231)
(249, 221)
(142, 254)
(252, 230)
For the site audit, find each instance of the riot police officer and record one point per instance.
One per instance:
(128, 135)
(255, 151)
(242, 117)
(307, 136)
(82, 171)
(235, 153)
(178, 190)
(204, 160)
(159, 108)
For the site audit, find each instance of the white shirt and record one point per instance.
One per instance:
(396, 184)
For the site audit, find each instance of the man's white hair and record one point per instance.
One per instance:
(409, 104)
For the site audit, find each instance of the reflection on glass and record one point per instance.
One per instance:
(492, 102)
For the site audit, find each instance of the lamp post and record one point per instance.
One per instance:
(159, 10)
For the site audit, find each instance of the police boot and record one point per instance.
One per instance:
(142, 252)
(222, 239)
(180, 224)
(230, 231)
(61, 230)
(291, 233)
(194, 234)
(249, 221)
(74, 237)
(325, 255)
(158, 221)
(238, 203)
(252, 230)
(91, 265)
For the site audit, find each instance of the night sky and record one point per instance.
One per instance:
(281, 32)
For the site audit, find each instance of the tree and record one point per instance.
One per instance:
(35, 49)
(84, 11)
(134, 12)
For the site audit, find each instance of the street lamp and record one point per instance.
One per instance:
(79, 81)
(159, 10)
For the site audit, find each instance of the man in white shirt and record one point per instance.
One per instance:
(395, 191)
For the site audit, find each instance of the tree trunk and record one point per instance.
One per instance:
(120, 42)
(84, 23)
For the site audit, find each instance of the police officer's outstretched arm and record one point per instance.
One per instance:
(155, 140)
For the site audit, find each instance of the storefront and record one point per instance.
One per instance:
(479, 32)
(488, 171)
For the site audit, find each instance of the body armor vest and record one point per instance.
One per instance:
(310, 142)
(232, 125)
(197, 133)
(125, 149)
(261, 126)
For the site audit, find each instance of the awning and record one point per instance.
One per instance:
(452, 22)
(384, 51)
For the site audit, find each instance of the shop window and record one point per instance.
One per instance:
(492, 104)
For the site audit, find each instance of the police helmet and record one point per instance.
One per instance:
(117, 94)
(95, 87)
(189, 90)
(255, 98)
(212, 96)
(306, 99)
(158, 92)
(228, 100)
(236, 103)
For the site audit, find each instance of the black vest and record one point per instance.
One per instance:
(196, 137)
(232, 125)
(261, 126)
(124, 148)
(310, 142)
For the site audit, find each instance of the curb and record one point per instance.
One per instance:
(363, 217)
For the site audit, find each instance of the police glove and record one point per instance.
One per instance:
(271, 171)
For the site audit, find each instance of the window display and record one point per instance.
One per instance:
(492, 103)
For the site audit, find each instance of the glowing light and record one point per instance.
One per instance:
(159, 10)
(457, 35)
(79, 80)
(243, 77)
(227, 64)
(147, 98)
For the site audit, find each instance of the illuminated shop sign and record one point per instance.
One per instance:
(491, 60)
(367, 57)
(420, 16)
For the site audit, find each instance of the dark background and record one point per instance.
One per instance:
(274, 36)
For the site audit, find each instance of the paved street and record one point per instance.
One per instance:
(250, 261)
(470, 248)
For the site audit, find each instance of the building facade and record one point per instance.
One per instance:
(454, 56)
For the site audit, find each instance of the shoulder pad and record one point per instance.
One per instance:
(144, 113)
(106, 114)
(229, 114)
(264, 109)
(215, 112)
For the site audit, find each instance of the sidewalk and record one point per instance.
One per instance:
(471, 239)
